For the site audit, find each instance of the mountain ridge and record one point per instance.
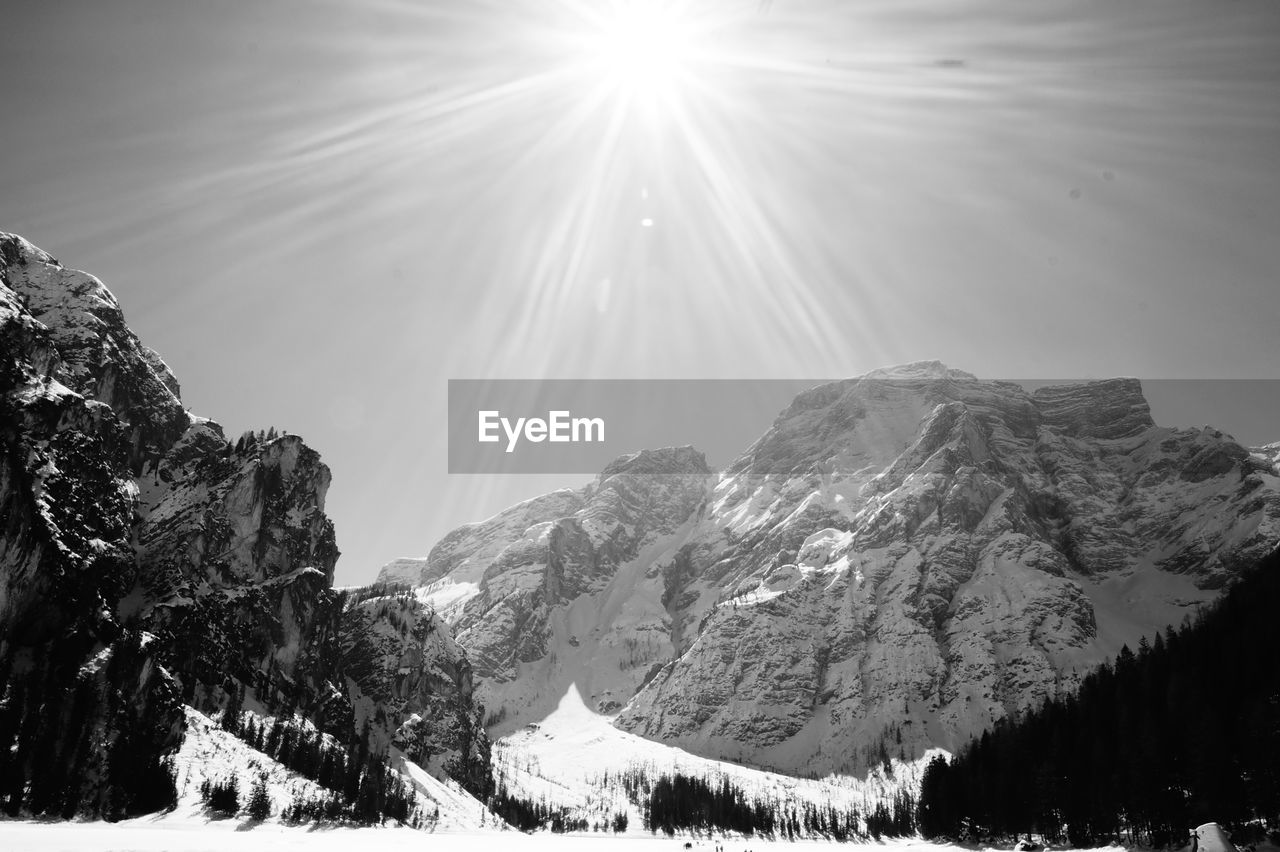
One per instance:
(914, 544)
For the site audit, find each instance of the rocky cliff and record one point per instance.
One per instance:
(412, 683)
(147, 562)
(901, 560)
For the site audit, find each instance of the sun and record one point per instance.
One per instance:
(644, 49)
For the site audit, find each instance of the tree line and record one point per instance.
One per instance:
(1185, 731)
(675, 802)
(528, 815)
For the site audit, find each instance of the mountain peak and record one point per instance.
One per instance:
(97, 355)
(665, 460)
(919, 370)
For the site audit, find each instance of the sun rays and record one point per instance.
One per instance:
(643, 175)
(392, 193)
(644, 48)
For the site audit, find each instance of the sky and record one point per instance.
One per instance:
(320, 212)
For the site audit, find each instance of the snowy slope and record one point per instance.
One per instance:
(208, 752)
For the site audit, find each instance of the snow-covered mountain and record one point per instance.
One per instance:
(148, 563)
(902, 559)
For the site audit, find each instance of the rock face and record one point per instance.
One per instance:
(901, 560)
(413, 684)
(147, 562)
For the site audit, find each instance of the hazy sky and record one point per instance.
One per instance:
(318, 212)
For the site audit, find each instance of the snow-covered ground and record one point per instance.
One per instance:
(171, 834)
(574, 758)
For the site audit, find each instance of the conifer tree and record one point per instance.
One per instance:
(259, 807)
(231, 715)
(1185, 731)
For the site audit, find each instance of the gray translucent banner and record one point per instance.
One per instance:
(581, 426)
